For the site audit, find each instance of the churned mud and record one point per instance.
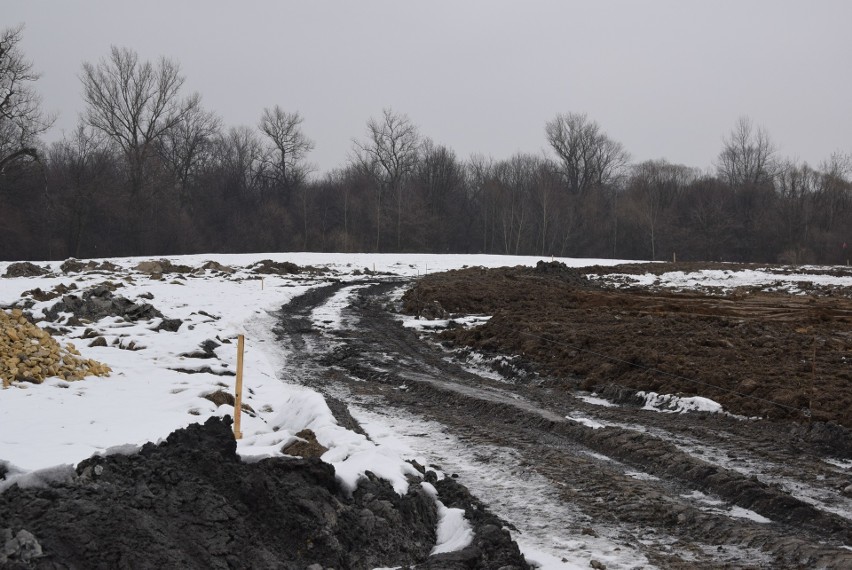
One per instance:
(576, 473)
(757, 353)
(534, 413)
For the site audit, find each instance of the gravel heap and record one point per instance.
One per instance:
(29, 354)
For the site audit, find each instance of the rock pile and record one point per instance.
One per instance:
(269, 267)
(72, 265)
(29, 354)
(100, 302)
(25, 269)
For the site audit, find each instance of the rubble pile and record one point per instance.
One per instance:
(30, 354)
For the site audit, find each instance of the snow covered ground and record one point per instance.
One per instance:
(150, 392)
(727, 279)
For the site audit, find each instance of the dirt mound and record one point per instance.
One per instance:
(758, 354)
(477, 290)
(161, 266)
(72, 265)
(25, 269)
(38, 295)
(269, 267)
(191, 503)
(215, 266)
(29, 354)
(100, 302)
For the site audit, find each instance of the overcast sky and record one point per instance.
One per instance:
(668, 79)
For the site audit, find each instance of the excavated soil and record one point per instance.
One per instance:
(758, 353)
(675, 490)
(191, 503)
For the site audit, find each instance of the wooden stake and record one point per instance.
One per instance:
(261, 283)
(674, 257)
(813, 381)
(238, 392)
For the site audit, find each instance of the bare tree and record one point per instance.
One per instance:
(748, 156)
(439, 180)
(291, 145)
(589, 158)
(834, 192)
(187, 146)
(21, 117)
(388, 155)
(654, 187)
(80, 173)
(479, 171)
(135, 103)
(240, 157)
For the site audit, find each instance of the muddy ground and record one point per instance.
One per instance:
(612, 486)
(536, 413)
(758, 353)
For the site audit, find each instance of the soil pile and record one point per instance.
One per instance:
(30, 354)
(269, 267)
(191, 503)
(72, 265)
(25, 269)
(763, 354)
(100, 302)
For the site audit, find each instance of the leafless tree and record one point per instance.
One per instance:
(439, 182)
(654, 187)
(188, 146)
(241, 158)
(796, 185)
(135, 103)
(589, 158)
(21, 117)
(748, 156)
(80, 171)
(479, 171)
(388, 155)
(834, 192)
(291, 145)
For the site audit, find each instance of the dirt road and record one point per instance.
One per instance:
(579, 479)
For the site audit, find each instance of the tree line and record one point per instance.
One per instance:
(149, 171)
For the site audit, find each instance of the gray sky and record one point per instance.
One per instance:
(668, 79)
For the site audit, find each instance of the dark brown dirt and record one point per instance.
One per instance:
(190, 502)
(617, 471)
(773, 355)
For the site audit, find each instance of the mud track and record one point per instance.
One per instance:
(666, 490)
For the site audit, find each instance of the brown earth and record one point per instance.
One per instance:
(617, 472)
(758, 353)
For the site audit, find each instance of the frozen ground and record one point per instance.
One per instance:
(150, 392)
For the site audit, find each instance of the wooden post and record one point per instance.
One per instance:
(813, 381)
(238, 392)
(261, 283)
(674, 257)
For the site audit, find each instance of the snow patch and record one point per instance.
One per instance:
(586, 422)
(670, 403)
(842, 463)
(40, 478)
(716, 506)
(595, 400)
(640, 476)
(454, 531)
